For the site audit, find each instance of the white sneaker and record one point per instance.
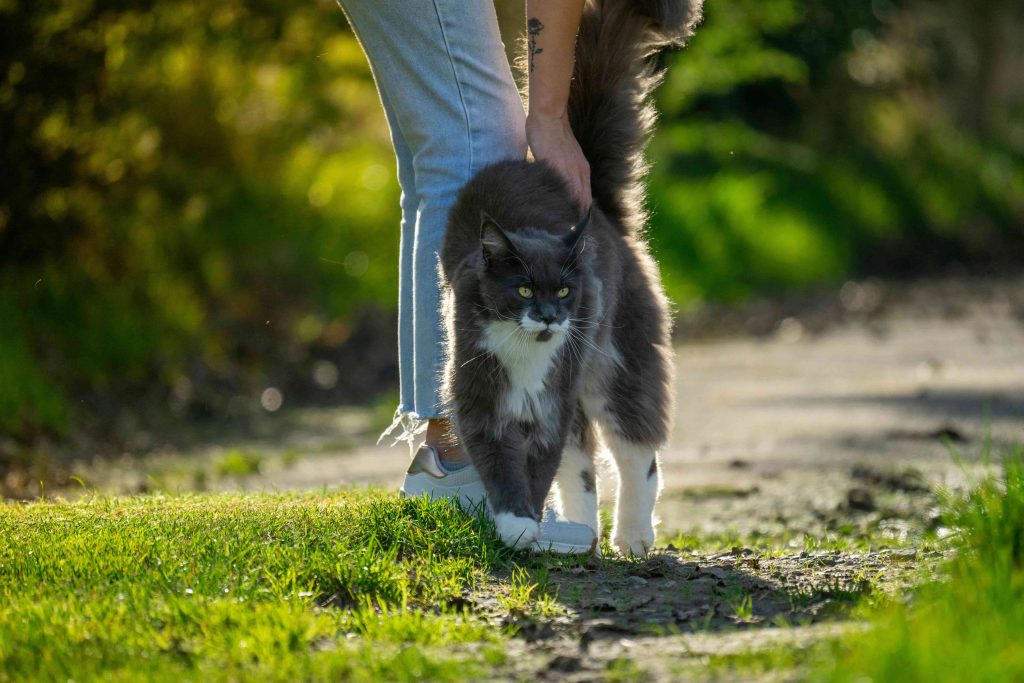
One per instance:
(426, 476)
(559, 535)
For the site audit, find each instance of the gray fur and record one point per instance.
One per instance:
(515, 222)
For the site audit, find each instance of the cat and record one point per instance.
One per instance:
(558, 329)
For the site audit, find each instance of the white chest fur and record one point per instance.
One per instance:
(527, 363)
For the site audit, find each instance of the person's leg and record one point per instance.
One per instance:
(409, 202)
(441, 69)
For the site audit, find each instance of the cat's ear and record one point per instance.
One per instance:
(493, 241)
(573, 239)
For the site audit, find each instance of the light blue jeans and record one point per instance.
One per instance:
(453, 108)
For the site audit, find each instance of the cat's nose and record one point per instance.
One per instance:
(547, 312)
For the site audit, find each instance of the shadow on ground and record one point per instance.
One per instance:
(676, 608)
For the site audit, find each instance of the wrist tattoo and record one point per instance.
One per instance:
(533, 27)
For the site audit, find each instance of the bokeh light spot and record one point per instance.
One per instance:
(271, 399)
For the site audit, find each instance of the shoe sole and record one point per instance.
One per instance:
(564, 548)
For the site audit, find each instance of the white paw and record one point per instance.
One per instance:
(634, 540)
(516, 532)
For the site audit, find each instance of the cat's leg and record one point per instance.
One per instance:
(544, 453)
(576, 478)
(501, 463)
(636, 419)
(638, 488)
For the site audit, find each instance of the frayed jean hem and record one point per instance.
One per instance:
(408, 427)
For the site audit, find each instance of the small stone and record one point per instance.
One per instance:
(859, 498)
(682, 615)
(601, 628)
(704, 583)
(601, 603)
(565, 664)
(635, 602)
(717, 572)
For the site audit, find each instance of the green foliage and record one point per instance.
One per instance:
(803, 141)
(257, 587)
(197, 186)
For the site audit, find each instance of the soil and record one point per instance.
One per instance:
(670, 613)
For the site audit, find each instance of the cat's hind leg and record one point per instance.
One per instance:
(576, 477)
(635, 426)
(638, 489)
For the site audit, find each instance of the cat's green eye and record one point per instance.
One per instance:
(526, 292)
(563, 292)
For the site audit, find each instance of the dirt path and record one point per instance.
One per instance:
(684, 615)
(784, 432)
(794, 433)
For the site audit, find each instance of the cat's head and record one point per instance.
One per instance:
(532, 277)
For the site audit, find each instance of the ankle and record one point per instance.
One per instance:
(440, 437)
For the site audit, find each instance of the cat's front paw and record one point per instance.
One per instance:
(634, 540)
(516, 532)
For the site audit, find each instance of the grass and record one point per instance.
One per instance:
(230, 587)
(969, 626)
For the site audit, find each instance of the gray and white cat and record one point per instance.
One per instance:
(558, 328)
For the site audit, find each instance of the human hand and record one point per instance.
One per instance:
(551, 139)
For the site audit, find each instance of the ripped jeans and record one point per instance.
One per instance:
(453, 108)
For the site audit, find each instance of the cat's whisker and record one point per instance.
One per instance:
(473, 359)
(575, 351)
(513, 335)
(596, 323)
(590, 344)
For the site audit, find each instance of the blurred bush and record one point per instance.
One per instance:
(196, 193)
(806, 141)
(193, 190)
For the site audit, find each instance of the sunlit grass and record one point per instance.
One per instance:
(970, 626)
(358, 585)
(255, 587)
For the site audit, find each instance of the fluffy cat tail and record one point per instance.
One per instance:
(609, 103)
